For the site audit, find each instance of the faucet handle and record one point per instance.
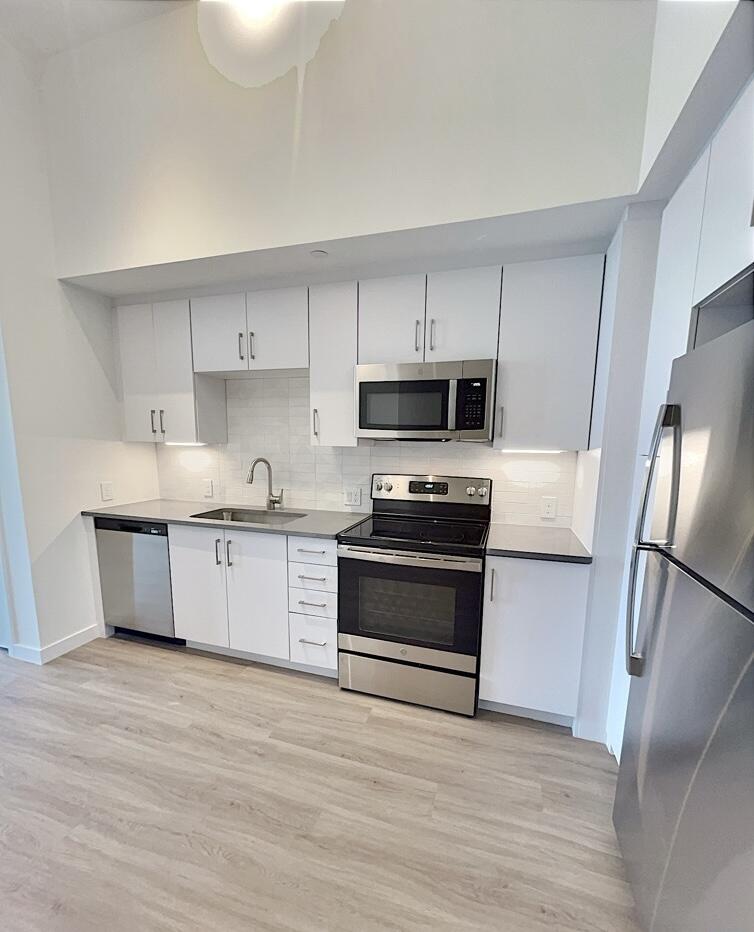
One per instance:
(276, 501)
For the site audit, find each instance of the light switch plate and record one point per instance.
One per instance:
(106, 491)
(352, 496)
(548, 507)
(209, 488)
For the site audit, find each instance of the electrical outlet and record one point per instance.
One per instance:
(352, 496)
(106, 492)
(209, 488)
(548, 507)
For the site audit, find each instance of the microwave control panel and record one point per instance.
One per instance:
(471, 400)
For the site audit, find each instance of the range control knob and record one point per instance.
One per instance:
(471, 490)
(388, 486)
(482, 493)
(378, 486)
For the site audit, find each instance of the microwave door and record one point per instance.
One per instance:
(406, 408)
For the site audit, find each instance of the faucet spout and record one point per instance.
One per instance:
(273, 501)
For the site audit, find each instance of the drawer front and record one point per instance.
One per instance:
(313, 550)
(312, 602)
(314, 641)
(306, 576)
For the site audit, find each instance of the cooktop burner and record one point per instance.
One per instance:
(436, 514)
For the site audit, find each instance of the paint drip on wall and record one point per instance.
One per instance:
(253, 42)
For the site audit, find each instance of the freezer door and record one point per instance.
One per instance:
(713, 532)
(697, 650)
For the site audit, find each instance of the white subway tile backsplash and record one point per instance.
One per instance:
(270, 417)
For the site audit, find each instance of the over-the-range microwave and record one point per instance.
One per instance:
(426, 401)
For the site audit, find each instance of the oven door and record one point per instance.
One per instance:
(410, 607)
(407, 401)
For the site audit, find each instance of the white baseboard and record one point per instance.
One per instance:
(260, 658)
(550, 718)
(40, 655)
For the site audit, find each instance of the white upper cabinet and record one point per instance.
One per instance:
(391, 319)
(197, 576)
(138, 363)
(278, 328)
(332, 357)
(162, 398)
(549, 321)
(175, 372)
(218, 332)
(257, 574)
(727, 241)
(463, 313)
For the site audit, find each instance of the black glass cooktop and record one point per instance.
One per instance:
(403, 533)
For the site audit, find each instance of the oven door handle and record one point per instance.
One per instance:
(406, 558)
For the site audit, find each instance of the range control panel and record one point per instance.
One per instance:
(454, 489)
(471, 402)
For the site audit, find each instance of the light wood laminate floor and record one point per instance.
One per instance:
(149, 789)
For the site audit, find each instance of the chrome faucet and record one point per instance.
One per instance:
(273, 501)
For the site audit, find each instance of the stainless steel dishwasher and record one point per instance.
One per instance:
(134, 569)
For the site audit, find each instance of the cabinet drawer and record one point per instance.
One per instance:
(313, 550)
(312, 602)
(314, 641)
(323, 578)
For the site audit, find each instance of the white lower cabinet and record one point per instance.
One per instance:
(313, 601)
(230, 589)
(314, 641)
(532, 633)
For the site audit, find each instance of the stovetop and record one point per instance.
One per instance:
(435, 535)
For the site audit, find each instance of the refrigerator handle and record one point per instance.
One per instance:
(634, 660)
(668, 416)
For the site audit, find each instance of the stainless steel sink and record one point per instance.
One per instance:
(250, 515)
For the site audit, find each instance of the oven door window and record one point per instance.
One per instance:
(426, 607)
(406, 405)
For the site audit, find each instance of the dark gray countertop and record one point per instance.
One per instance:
(536, 543)
(314, 524)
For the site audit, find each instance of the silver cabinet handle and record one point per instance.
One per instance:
(313, 578)
(240, 344)
(218, 560)
(251, 345)
(416, 336)
(162, 421)
(314, 643)
(502, 415)
(492, 584)
(151, 419)
(304, 550)
(227, 552)
(315, 422)
(432, 324)
(313, 604)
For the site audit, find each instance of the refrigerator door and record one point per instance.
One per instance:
(696, 649)
(713, 528)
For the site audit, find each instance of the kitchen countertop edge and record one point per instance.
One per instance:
(559, 545)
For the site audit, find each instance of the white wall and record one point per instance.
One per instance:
(685, 36)
(62, 392)
(411, 114)
(627, 300)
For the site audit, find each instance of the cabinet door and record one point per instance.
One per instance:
(727, 241)
(138, 372)
(549, 320)
(532, 632)
(332, 351)
(218, 333)
(391, 319)
(258, 593)
(463, 313)
(197, 572)
(278, 325)
(175, 371)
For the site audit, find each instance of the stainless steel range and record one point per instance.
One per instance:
(410, 580)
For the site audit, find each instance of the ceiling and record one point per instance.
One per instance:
(40, 28)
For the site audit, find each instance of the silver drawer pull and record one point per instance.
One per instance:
(313, 643)
(303, 550)
(313, 578)
(313, 604)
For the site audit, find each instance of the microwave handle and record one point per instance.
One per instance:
(452, 396)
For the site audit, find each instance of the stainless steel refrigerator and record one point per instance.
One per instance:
(684, 807)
